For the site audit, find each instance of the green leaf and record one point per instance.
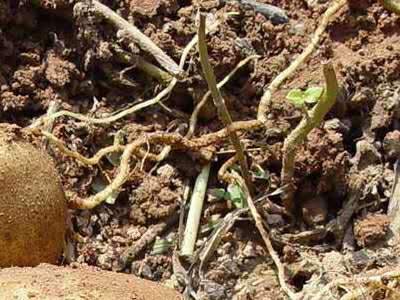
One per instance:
(237, 196)
(296, 96)
(219, 194)
(260, 174)
(312, 94)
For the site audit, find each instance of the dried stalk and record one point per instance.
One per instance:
(394, 203)
(274, 85)
(264, 234)
(193, 118)
(219, 101)
(141, 64)
(143, 41)
(299, 134)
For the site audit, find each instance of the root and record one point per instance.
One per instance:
(176, 141)
(223, 174)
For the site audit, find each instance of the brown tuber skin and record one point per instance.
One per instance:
(33, 208)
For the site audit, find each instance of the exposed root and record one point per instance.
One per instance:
(87, 161)
(124, 168)
(176, 141)
(218, 136)
(223, 174)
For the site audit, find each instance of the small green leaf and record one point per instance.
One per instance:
(312, 94)
(296, 96)
(219, 194)
(237, 196)
(260, 174)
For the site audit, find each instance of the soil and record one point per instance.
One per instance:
(49, 56)
(50, 282)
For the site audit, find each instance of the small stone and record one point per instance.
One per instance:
(146, 272)
(104, 261)
(298, 29)
(214, 291)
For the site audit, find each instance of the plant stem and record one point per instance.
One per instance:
(392, 5)
(142, 40)
(141, 64)
(219, 101)
(265, 235)
(274, 85)
(194, 215)
(299, 134)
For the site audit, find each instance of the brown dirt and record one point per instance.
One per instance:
(371, 229)
(49, 282)
(46, 55)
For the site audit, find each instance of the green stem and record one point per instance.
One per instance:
(194, 215)
(392, 5)
(299, 134)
